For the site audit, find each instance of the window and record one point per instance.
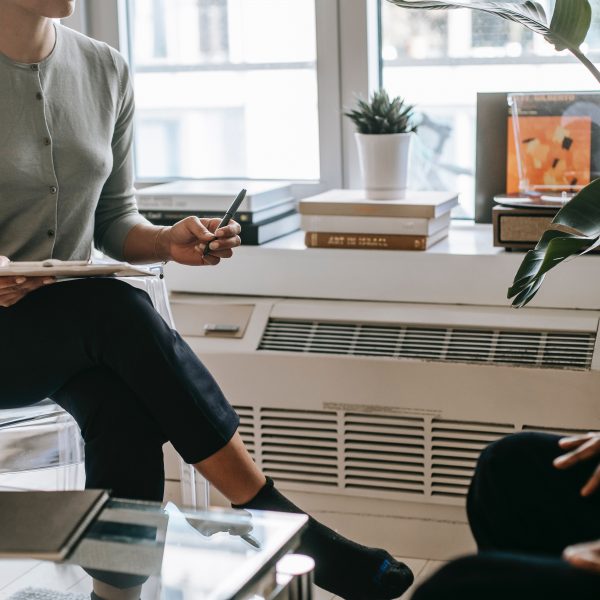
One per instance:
(439, 60)
(225, 88)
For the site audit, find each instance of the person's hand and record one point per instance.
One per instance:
(584, 556)
(13, 289)
(580, 448)
(185, 241)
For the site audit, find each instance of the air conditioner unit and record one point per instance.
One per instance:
(375, 412)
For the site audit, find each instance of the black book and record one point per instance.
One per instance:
(260, 233)
(169, 216)
(255, 235)
(46, 525)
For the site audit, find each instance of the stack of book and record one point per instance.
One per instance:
(267, 212)
(347, 219)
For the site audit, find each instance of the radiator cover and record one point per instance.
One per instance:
(370, 454)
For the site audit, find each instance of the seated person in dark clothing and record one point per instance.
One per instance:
(534, 510)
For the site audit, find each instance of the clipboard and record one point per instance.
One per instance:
(72, 268)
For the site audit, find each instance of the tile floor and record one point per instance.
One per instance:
(420, 567)
(16, 575)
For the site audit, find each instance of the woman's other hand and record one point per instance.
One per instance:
(581, 448)
(584, 556)
(13, 289)
(185, 241)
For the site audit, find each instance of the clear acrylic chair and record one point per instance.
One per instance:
(40, 447)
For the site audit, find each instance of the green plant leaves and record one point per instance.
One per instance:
(576, 227)
(382, 115)
(570, 23)
(574, 230)
(569, 26)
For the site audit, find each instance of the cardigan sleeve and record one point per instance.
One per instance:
(116, 212)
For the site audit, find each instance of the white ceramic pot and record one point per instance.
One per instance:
(384, 164)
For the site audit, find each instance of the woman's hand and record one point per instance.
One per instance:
(580, 448)
(13, 289)
(584, 556)
(185, 241)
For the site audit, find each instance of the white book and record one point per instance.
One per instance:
(206, 195)
(355, 203)
(381, 225)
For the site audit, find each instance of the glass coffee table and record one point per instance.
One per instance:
(144, 550)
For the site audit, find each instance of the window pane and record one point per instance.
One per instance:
(439, 60)
(225, 88)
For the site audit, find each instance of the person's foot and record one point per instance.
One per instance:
(389, 580)
(343, 567)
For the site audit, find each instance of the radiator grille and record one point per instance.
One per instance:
(455, 447)
(247, 428)
(371, 454)
(542, 349)
(384, 453)
(300, 446)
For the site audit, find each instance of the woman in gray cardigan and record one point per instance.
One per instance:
(96, 346)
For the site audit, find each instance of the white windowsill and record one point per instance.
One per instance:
(465, 268)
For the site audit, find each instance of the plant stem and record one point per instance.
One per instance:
(586, 62)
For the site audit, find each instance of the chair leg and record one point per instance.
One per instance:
(195, 490)
(70, 455)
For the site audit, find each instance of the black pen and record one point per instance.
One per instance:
(228, 216)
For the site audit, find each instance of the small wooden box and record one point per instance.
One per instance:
(520, 228)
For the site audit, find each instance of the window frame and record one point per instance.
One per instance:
(348, 44)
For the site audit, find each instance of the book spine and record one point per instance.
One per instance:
(191, 203)
(365, 241)
(248, 235)
(375, 210)
(170, 217)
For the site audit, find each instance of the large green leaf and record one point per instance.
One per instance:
(570, 23)
(582, 213)
(569, 26)
(581, 216)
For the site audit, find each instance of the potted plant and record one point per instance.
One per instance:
(576, 227)
(384, 132)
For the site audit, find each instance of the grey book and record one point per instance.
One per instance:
(46, 525)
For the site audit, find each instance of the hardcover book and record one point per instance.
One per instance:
(420, 204)
(170, 217)
(210, 195)
(255, 234)
(372, 241)
(382, 225)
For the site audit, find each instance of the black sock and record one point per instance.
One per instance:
(343, 567)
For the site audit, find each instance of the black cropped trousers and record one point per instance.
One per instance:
(99, 349)
(523, 513)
